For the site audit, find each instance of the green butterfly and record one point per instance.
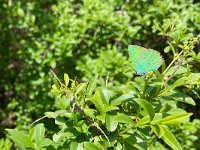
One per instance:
(144, 60)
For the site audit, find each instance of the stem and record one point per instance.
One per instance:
(172, 75)
(85, 95)
(81, 111)
(102, 132)
(172, 62)
(145, 86)
(138, 112)
(37, 120)
(56, 77)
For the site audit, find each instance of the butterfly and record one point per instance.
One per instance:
(144, 60)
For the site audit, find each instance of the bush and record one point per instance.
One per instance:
(119, 117)
(82, 38)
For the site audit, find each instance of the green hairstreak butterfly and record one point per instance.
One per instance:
(144, 60)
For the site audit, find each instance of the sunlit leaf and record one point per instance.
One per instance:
(170, 139)
(111, 124)
(39, 134)
(175, 119)
(182, 97)
(20, 138)
(90, 146)
(123, 98)
(146, 106)
(66, 79)
(92, 86)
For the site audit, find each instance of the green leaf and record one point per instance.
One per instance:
(122, 118)
(59, 120)
(74, 146)
(54, 88)
(39, 134)
(146, 119)
(56, 82)
(158, 130)
(146, 106)
(90, 112)
(130, 138)
(157, 118)
(62, 102)
(175, 119)
(168, 117)
(179, 82)
(188, 71)
(170, 140)
(66, 79)
(167, 49)
(173, 70)
(119, 146)
(143, 121)
(176, 111)
(172, 48)
(90, 146)
(122, 98)
(101, 117)
(92, 85)
(82, 127)
(110, 108)
(164, 118)
(80, 88)
(134, 140)
(106, 95)
(51, 114)
(98, 102)
(69, 133)
(5, 144)
(104, 98)
(58, 113)
(182, 98)
(166, 24)
(194, 78)
(45, 142)
(20, 12)
(111, 124)
(20, 138)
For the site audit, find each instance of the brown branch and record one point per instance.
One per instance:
(81, 111)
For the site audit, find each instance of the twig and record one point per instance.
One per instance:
(172, 62)
(85, 94)
(55, 76)
(79, 109)
(74, 86)
(37, 120)
(172, 75)
(102, 132)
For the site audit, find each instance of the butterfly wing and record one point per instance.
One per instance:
(150, 61)
(144, 60)
(135, 53)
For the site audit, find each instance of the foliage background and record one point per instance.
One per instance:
(84, 39)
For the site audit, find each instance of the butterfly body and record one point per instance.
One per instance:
(144, 60)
